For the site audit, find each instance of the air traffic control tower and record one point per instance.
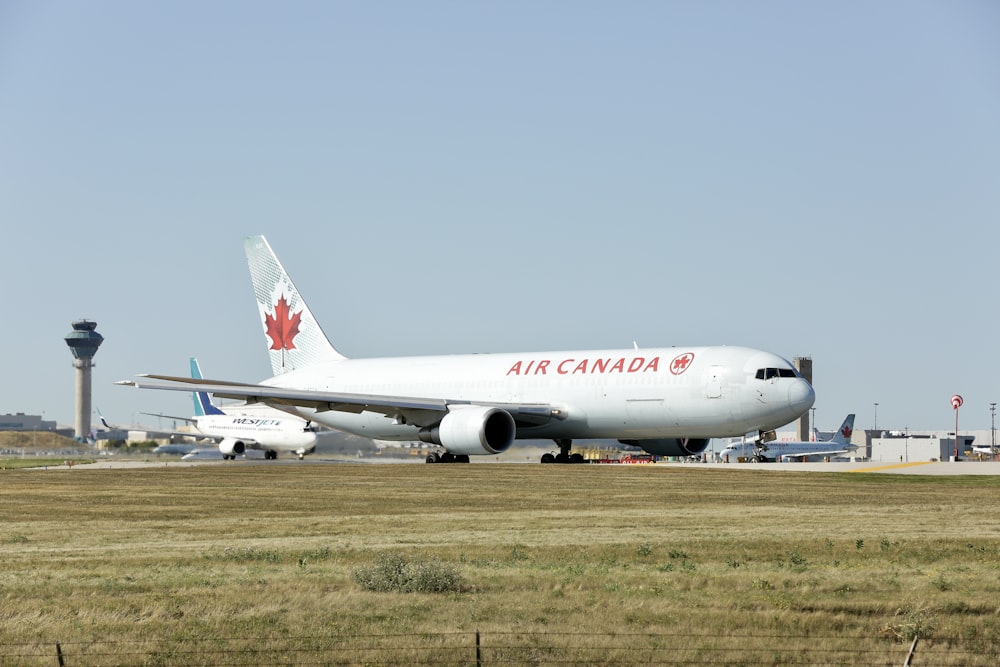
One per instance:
(83, 342)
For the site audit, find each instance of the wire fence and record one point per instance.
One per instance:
(507, 648)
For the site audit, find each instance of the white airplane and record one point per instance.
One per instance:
(840, 443)
(172, 448)
(248, 427)
(669, 401)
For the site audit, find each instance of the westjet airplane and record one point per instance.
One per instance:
(668, 401)
(240, 428)
(840, 443)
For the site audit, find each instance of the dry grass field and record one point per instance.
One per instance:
(258, 564)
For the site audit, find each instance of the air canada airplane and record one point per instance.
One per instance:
(669, 401)
(240, 428)
(840, 443)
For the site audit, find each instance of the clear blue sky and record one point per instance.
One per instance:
(811, 178)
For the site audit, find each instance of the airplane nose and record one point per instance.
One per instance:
(801, 396)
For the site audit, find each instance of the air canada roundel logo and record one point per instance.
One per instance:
(681, 363)
(846, 432)
(282, 327)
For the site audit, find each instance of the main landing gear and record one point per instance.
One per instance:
(447, 457)
(564, 456)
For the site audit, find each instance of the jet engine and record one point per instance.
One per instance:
(671, 446)
(473, 430)
(232, 447)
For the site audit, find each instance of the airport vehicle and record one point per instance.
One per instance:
(176, 448)
(985, 449)
(840, 443)
(669, 401)
(213, 454)
(239, 428)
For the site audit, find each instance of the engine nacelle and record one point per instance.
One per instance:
(473, 430)
(232, 447)
(671, 446)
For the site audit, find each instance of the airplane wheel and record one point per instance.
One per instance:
(548, 458)
(576, 458)
(433, 457)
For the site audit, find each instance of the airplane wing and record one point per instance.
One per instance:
(157, 414)
(420, 411)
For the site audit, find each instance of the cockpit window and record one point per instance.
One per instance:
(769, 373)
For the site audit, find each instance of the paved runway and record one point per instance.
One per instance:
(964, 467)
(913, 468)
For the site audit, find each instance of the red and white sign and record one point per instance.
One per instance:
(956, 401)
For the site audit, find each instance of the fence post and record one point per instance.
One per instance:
(479, 657)
(59, 655)
(909, 657)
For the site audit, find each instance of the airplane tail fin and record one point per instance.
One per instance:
(104, 421)
(203, 404)
(294, 337)
(843, 434)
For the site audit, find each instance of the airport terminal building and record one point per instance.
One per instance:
(22, 422)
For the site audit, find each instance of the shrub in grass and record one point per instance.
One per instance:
(396, 573)
(247, 554)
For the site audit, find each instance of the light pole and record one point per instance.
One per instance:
(956, 403)
(813, 420)
(875, 427)
(993, 428)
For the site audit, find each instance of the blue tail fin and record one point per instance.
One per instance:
(202, 403)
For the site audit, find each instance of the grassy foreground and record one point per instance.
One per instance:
(245, 564)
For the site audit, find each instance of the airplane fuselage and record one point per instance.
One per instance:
(774, 451)
(273, 433)
(625, 394)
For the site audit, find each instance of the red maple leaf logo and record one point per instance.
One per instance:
(846, 432)
(681, 363)
(281, 328)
